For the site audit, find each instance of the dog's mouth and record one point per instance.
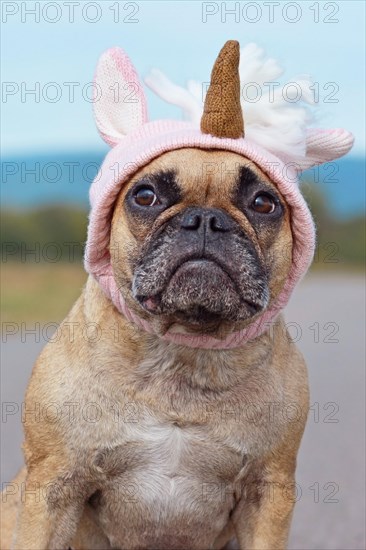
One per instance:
(201, 292)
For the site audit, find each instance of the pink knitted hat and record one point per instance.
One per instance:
(121, 117)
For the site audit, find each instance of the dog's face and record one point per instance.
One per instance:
(200, 241)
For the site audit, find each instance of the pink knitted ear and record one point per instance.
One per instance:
(324, 146)
(119, 100)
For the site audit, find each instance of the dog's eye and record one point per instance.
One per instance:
(146, 197)
(264, 204)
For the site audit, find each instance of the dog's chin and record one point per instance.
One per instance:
(202, 297)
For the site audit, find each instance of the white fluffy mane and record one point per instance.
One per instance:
(273, 121)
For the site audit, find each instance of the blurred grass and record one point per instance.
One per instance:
(35, 287)
(341, 243)
(51, 230)
(42, 270)
(39, 292)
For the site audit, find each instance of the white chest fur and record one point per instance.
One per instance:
(175, 478)
(176, 464)
(163, 446)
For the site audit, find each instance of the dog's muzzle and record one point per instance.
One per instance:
(202, 268)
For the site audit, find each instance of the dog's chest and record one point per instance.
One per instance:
(165, 478)
(172, 465)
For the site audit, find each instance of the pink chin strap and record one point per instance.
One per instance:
(203, 341)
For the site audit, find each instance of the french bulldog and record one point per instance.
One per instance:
(147, 424)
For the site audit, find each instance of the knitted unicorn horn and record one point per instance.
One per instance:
(222, 114)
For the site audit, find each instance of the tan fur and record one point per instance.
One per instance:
(144, 437)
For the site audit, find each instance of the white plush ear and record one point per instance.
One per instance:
(324, 146)
(119, 101)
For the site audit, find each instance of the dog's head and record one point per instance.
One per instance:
(201, 230)
(200, 239)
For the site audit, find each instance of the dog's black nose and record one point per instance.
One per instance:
(208, 219)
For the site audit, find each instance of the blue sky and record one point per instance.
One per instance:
(324, 39)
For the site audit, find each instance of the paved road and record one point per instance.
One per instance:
(326, 315)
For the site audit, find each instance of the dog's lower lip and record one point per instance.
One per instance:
(252, 306)
(193, 262)
(197, 262)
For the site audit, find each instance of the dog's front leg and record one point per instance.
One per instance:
(53, 500)
(262, 517)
